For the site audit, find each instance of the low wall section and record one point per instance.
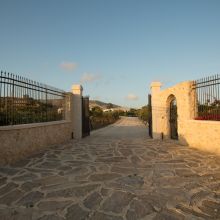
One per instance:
(204, 135)
(20, 141)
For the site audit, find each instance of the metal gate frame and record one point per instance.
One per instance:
(173, 120)
(150, 116)
(85, 117)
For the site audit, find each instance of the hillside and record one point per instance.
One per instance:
(101, 104)
(105, 105)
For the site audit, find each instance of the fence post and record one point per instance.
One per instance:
(77, 111)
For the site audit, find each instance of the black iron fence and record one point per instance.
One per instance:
(207, 93)
(150, 116)
(23, 101)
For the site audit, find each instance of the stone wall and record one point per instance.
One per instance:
(20, 141)
(204, 135)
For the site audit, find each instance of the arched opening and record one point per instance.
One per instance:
(173, 123)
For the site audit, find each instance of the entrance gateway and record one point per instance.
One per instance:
(173, 119)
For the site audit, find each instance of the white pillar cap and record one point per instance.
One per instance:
(156, 84)
(77, 87)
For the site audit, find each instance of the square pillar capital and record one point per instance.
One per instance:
(77, 89)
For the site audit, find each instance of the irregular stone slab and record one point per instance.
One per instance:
(67, 185)
(211, 208)
(77, 163)
(77, 191)
(110, 159)
(169, 215)
(131, 180)
(21, 163)
(92, 200)
(16, 214)
(104, 176)
(123, 170)
(84, 157)
(9, 171)
(65, 168)
(136, 160)
(9, 187)
(138, 209)
(30, 199)
(198, 196)
(28, 186)
(39, 170)
(52, 180)
(75, 212)
(155, 199)
(25, 177)
(126, 152)
(104, 191)
(165, 173)
(117, 201)
(3, 180)
(50, 164)
(193, 212)
(102, 216)
(185, 173)
(50, 217)
(11, 197)
(53, 205)
(170, 181)
(76, 171)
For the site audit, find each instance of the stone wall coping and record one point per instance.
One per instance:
(77, 87)
(32, 125)
(156, 84)
(205, 121)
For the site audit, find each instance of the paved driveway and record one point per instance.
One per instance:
(117, 173)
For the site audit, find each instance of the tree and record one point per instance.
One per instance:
(144, 113)
(109, 106)
(132, 112)
(97, 111)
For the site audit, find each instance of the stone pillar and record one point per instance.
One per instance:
(69, 110)
(68, 106)
(156, 114)
(77, 111)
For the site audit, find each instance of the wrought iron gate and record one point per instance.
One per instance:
(85, 117)
(173, 120)
(150, 116)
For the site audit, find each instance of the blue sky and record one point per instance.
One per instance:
(115, 48)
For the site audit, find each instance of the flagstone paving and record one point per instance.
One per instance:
(118, 173)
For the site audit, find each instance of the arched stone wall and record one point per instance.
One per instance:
(160, 107)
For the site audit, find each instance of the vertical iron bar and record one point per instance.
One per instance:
(1, 121)
(46, 103)
(13, 101)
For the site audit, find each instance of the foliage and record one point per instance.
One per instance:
(109, 106)
(99, 119)
(132, 113)
(209, 111)
(209, 117)
(143, 113)
(97, 111)
(27, 110)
